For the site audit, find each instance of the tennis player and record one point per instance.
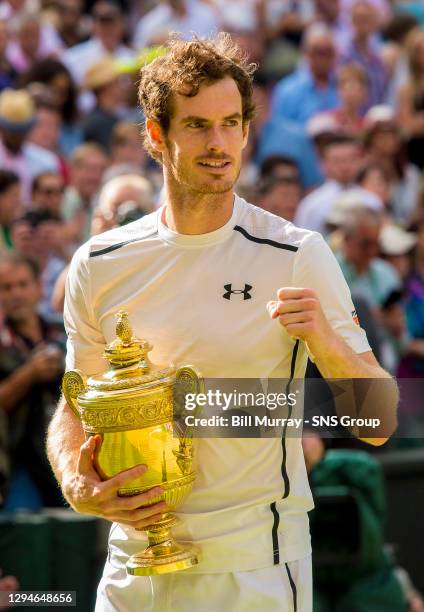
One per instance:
(212, 281)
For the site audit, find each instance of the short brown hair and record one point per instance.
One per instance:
(352, 72)
(185, 67)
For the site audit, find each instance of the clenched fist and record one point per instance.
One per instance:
(300, 313)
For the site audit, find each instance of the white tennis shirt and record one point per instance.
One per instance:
(201, 300)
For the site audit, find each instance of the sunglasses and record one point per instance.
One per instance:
(49, 191)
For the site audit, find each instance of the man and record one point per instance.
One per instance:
(17, 118)
(279, 189)
(88, 163)
(107, 39)
(10, 207)
(367, 275)
(122, 197)
(362, 50)
(31, 364)
(185, 17)
(103, 79)
(182, 285)
(311, 88)
(340, 160)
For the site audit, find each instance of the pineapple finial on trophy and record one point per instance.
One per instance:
(123, 327)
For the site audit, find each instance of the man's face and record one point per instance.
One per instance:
(364, 19)
(328, 8)
(282, 200)
(363, 245)
(353, 93)
(29, 38)
(321, 56)
(50, 193)
(87, 174)
(109, 29)
(46, 131)
(341, 162)
(20, 292)
(204, 144)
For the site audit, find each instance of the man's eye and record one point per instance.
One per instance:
(231, 122)
(194, 124)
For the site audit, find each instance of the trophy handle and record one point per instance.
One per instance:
(73, 383)
(189, 380)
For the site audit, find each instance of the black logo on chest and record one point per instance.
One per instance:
(229, 291)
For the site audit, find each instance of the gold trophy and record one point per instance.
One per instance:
(132, 406)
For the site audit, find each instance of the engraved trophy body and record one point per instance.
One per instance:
(131, 406)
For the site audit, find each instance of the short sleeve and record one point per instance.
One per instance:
(86, 343)
(317, 268)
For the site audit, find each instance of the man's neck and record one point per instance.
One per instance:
(194, 213)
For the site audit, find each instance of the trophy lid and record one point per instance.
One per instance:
(130, 368)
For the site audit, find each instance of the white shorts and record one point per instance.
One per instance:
(280, 588)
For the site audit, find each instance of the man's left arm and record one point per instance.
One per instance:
(301, 314)
(318, 310)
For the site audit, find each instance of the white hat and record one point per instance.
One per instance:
(353, 199)
(381, 113)
(322, 123)
(396, 241)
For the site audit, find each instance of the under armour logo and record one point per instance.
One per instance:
(229, 291)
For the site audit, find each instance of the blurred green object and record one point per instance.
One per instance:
(352, 570)
(145, 57)
(55, 550)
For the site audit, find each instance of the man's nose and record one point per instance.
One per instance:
(216, 140)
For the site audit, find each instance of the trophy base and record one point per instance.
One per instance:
(163, 558)
(164, 554)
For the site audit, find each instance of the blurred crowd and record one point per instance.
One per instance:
(336, 146)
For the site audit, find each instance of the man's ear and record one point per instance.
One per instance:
(245, 128)
(154, 133)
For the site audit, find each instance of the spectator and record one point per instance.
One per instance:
(411, 98)
(7, 72)
(10, 207)
(361, 50)
(384, 145)
(17, 118)
(31, 365)
(107, 39)
(127, 145)
(38, 235)
(70, 22)
(312, 87)
(396, 247)
(374, 179)
(393, 53)
(28, 45)
(121, 200)
(47, 193)
(279, 189)
(341, 159)
(186, 17)
(352, 87)
(414, 308)
(103, 79)
(280, 195)
(56, 76)
(368, 276)
(88, 163)
(46, 131)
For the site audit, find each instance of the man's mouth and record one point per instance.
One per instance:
(215, 163)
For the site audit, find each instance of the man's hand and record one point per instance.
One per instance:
(300, 313)
(45, 363)
(88, 494)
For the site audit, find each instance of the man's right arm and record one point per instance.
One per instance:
(71, 457)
